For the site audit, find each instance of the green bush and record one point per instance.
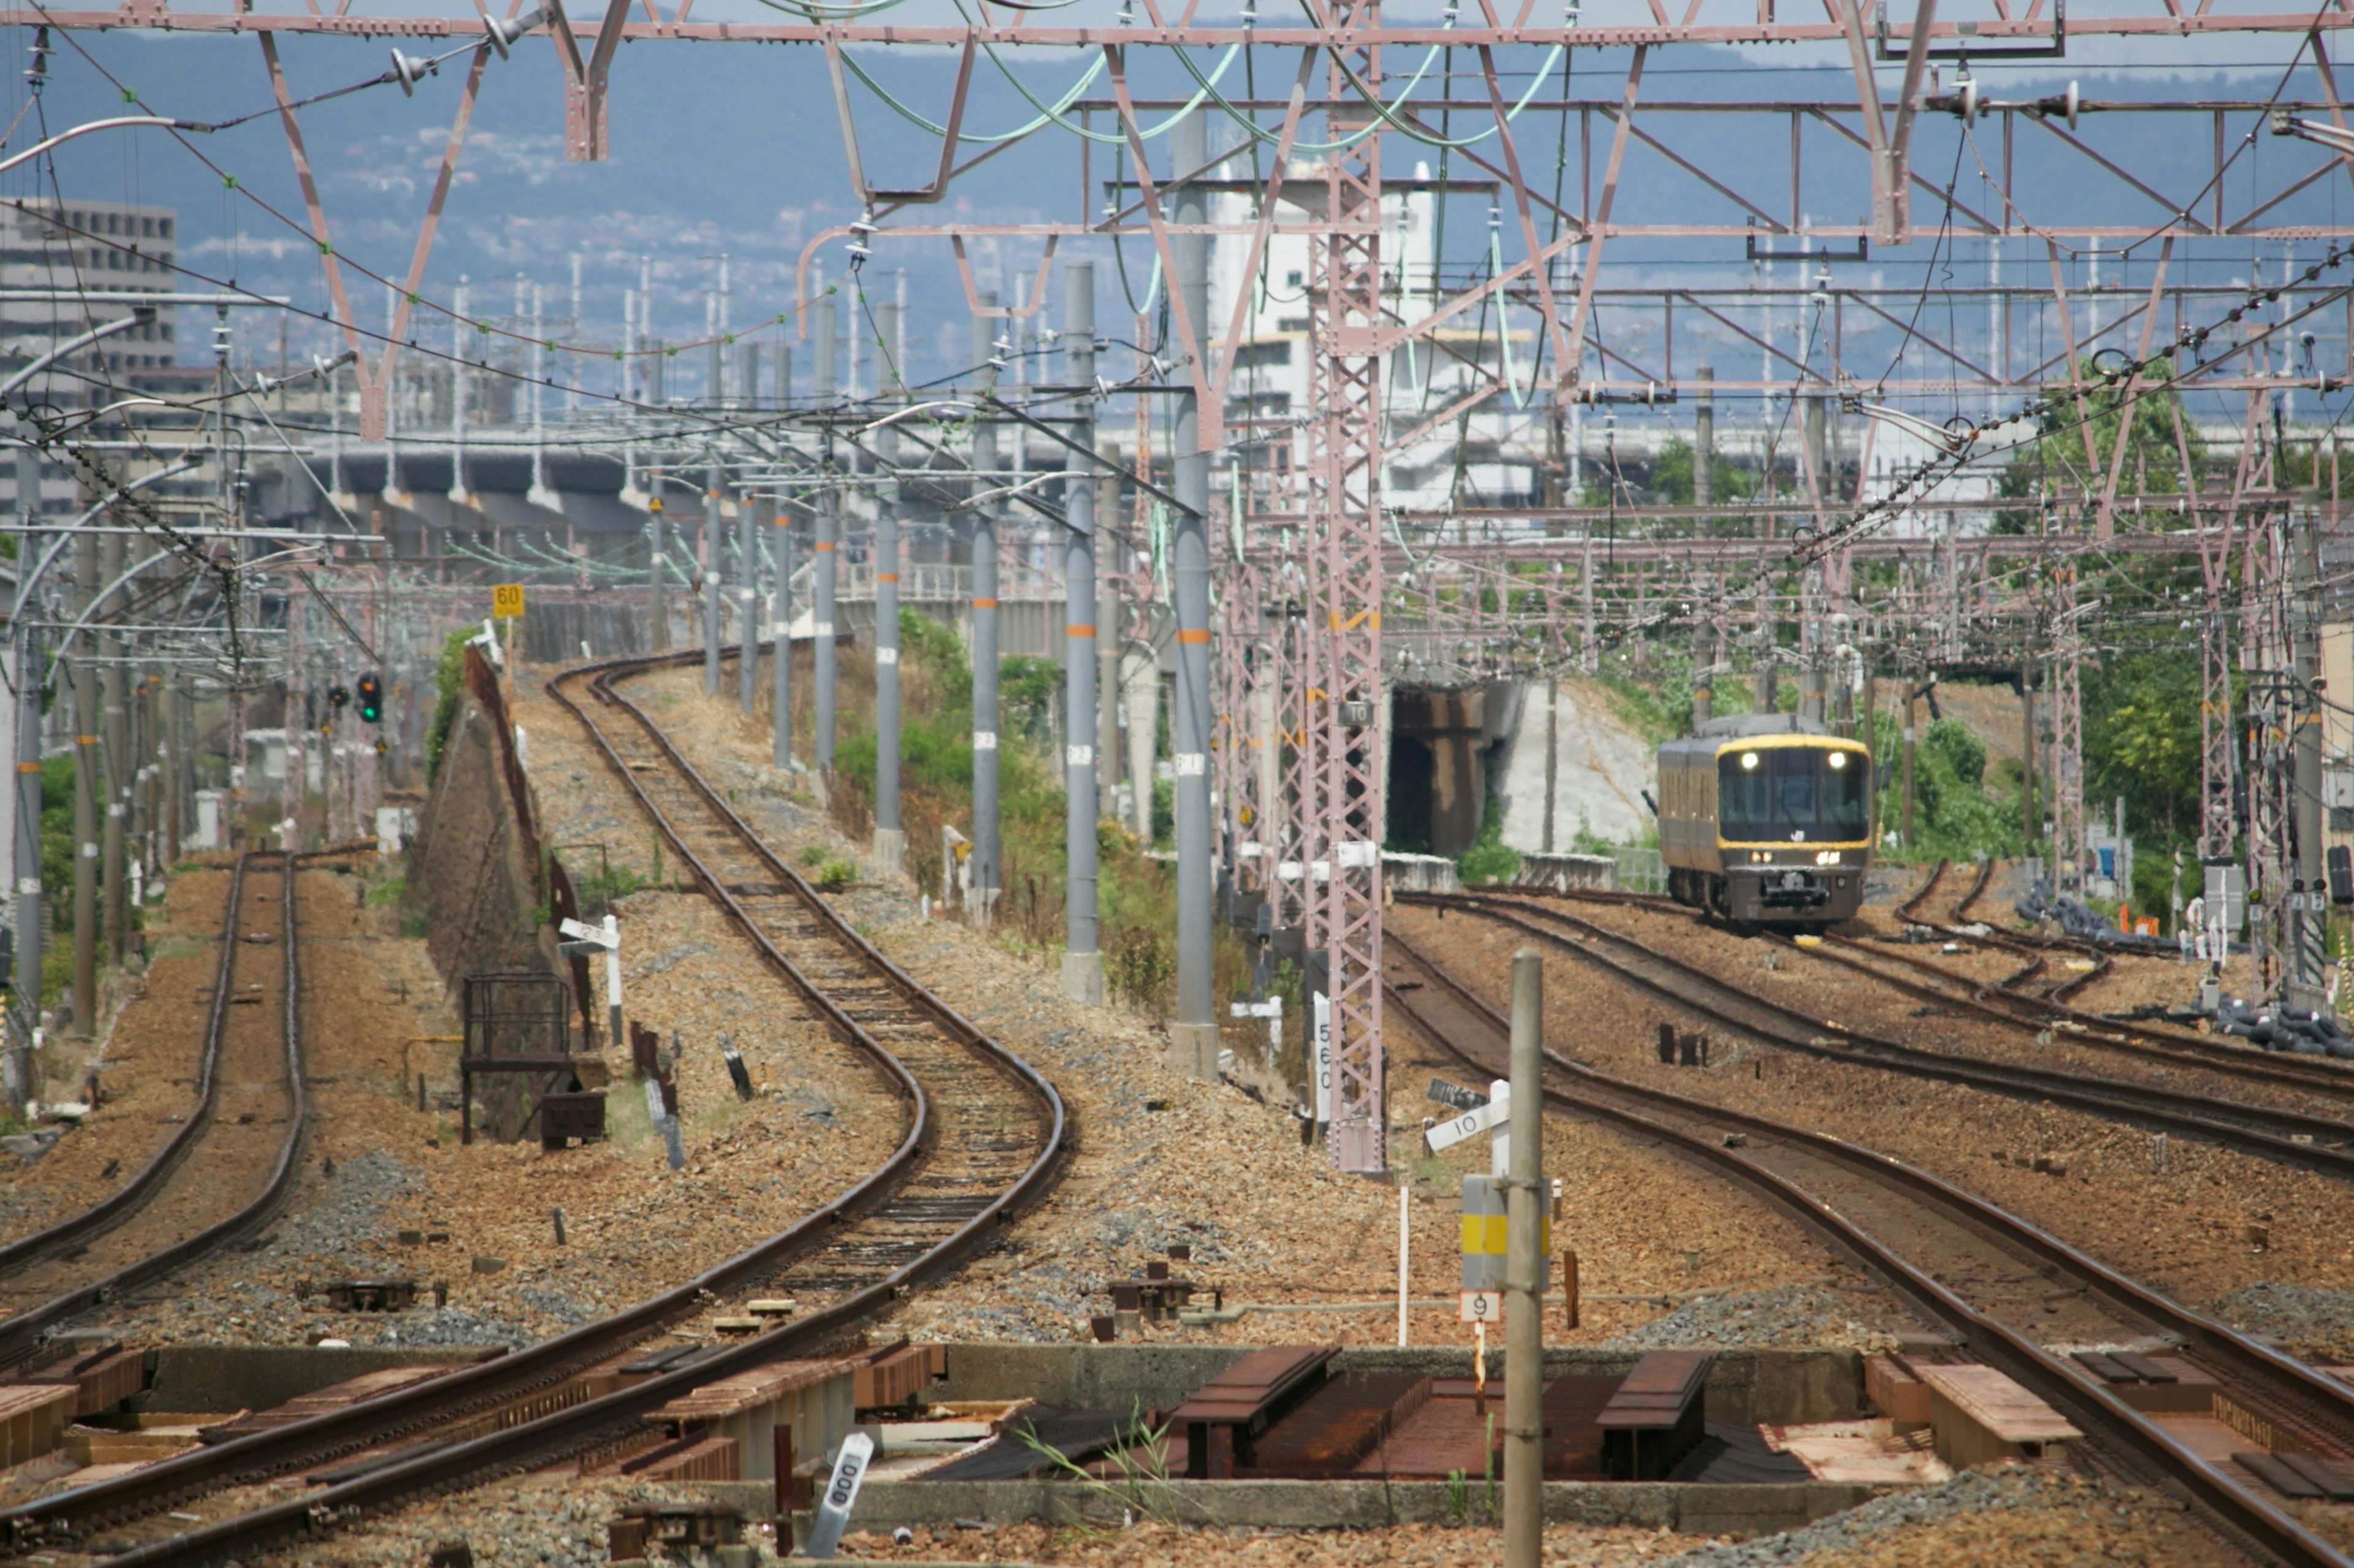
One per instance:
(449, 679)
(812, 854)
(836, 872)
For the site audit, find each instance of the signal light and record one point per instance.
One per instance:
(372, 698)
(337, 696)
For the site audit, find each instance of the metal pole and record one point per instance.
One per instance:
(780, 634)
(28, 826)
(1111, 632)
(985, 851)
(1524, 1271)
(713, 542)
(657, 567)
(1911, 738)
(1194, 1034)
(829, 525)
(890, 841)
(85, 889)
(114, 741)
(1705, 436)
(747, 605)
(1082, 963)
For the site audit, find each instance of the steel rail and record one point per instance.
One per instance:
(132, 1195)
(2086, 1401)
(1920, 895)
(21, 1335)
(2288, 1072)
(2107, 1097)
(2317, 1073)
(588, 1424)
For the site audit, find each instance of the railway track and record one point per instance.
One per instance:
(236, 1148)
(986, 1136)
(2290, 1137)
(2000, 1286)
(1925, 980)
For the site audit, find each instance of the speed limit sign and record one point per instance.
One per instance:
(1483, 1306)
(506, 599)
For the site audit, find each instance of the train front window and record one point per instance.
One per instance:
(1793, 795)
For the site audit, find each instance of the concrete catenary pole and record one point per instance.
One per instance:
(821, 566)
(28, 890)
(780, 659)
(1705, 436)
(1524, 1271)
(890, 841)
(85, 805)
(713, 542)
(982, 866)
(1111, 631)
(114, 739)
(1082, 962)
(657, 567)
(1194, 1034)
(748, 604)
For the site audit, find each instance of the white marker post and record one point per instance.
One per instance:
(605, 939)
(1320, 1063)
(841, 1497)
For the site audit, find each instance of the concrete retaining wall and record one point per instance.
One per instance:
(1744, 1385)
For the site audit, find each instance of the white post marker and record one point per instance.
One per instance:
(1319, 1087)
(840, 1495)
(605, 938)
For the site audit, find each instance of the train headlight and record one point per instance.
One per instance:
(1748, 760)
(1838, 759)
(1827, 857)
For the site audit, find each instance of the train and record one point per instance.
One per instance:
(1766, 819)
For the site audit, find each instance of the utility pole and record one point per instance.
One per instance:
(821, 565)
(1111, 632)
(1704, 436)
(780, 658)
(890, 840)
(1082, 964)
(1525, 1273)
(115, 742)
(713, 542)
(28, 891)
(1194, 1033)
(1911, 733)
(2031, 817)
(982, 866)
(85, 806)
(747, 578)
(657, 554)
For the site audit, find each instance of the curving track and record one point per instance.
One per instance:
(2291, 1137)
(238, 1145)
(986, 1138)
(1999, 1285)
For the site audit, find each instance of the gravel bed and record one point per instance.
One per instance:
(2009, 1513)
(145, 1067)
(1780, 1315)
(1268, 1222)
(2185, 1231)
(547, 1520)
(375, 1167)
(2316, 1323)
